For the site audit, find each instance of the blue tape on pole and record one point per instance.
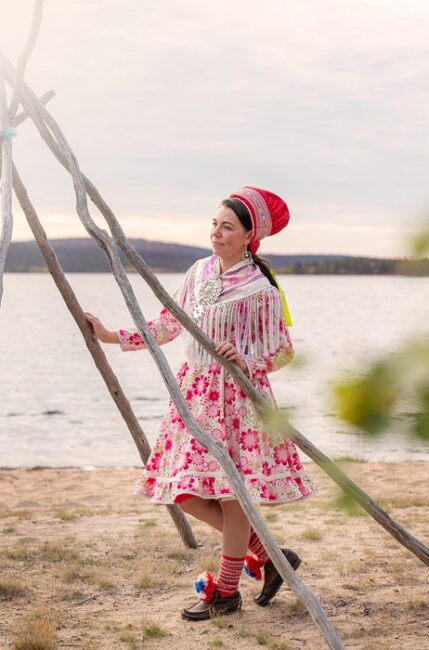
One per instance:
(8, 133)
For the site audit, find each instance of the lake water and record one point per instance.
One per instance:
(55, 410)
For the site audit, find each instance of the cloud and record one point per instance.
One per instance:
(170, 106)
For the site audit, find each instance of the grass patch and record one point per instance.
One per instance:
(74, 594)
(271, 516)
(66, 515)
(145, 530)
(297, 609)
(11, 588)
(263, 637)
(220, 621)
(153, 631)
(58, 552)
(208, 563)
(328, 555)
(145, 579)
(215, 643)
(242, 632)
(131, 640)
(98, 577)
(19, 553)
(182, 555)
(125, 553)
(279, 644)
(417, 605)
(85, 512)
(71, 573)
(150, 573)
(347, 568)
(149, 523)
(311, 535)
(9, 530)
(22, 515)
(38, 632)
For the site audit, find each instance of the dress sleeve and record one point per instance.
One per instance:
(271, 343)
(165, 327)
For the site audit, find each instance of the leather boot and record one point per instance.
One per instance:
(273, 580)
(219, 605)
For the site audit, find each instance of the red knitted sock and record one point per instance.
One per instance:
(255, 560)
(229, 574)
(255, 545)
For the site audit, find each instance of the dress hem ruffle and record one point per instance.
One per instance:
(263, 490)
(219, 497)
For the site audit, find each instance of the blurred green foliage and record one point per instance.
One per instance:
(395, 387)
(419, 244)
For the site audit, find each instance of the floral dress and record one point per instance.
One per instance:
(242, 307)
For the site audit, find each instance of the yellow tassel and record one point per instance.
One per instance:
(286, 312)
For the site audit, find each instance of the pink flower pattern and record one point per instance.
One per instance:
(179, 464)
(249, 440)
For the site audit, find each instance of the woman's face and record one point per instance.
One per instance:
(228, 235)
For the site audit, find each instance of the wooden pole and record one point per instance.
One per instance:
(38, 114)
(5, 182)
(43, 99)
(24, 57)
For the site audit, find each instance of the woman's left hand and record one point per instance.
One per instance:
(230, 352)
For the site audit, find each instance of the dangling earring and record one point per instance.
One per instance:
(247, 256)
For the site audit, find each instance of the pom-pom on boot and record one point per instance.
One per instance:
(252, 566)
(211, 602)
(205, 586)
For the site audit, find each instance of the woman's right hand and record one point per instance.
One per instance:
(101, 332)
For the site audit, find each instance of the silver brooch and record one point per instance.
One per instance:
(208, 293)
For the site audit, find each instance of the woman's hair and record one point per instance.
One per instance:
(243, 215)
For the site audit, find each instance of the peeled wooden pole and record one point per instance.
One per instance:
(38, 114)
(5, 182)
(94, 347)
(24, 57)
(6, 123)
(43, 99)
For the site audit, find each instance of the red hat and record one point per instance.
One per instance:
(269, 213)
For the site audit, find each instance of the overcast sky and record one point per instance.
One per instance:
(172, 105)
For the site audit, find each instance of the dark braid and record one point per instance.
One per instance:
(243, 215)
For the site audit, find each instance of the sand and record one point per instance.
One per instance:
(86, 564)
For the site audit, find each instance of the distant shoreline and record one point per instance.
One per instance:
(84, 256)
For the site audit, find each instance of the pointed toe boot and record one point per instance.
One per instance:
(218, 606)
(273, 580)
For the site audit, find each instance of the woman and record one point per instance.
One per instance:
(236, 301)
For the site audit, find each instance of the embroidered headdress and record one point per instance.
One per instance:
(268, 212)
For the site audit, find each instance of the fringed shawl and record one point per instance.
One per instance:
(239, 306)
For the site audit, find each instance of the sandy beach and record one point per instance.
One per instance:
(86, 564)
